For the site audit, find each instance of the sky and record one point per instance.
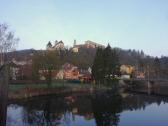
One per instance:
(127, 24)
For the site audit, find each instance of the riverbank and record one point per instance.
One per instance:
(145, 87)
(33, 90)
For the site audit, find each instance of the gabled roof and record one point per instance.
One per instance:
(49, 44)
(56, 43)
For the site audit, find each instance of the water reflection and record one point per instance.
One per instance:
(68, 110)
(107, 108)
(100, 109)
(3, 109)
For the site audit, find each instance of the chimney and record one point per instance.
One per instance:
(74, 42)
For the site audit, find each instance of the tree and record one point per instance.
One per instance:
(46, 62)
(3, 93)
(111, 62)
(157, 66)
(7, 42)
(107, 108)
(97, 68)
(106, 64)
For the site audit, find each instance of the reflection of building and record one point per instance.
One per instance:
(59, 45)
(89, 116)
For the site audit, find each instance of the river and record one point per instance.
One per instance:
(97, 109)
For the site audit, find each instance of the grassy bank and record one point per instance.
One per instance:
(17, 87)
(19, 91)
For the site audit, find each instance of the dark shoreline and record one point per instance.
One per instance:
(25, 94)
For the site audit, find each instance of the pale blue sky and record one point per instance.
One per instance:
(128, 24)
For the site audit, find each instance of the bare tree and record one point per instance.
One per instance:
(8, 42)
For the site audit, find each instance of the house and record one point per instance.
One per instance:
(49, 46)
(59, 45)
(60, 74)
(86, 77)
(127, 69)
(125, 77)
(22, 62)
(70, 71)
(44, 73)
(21, 70)
(140, 75)
(14, 71)
(88, 44)
(75, 49)
(85, 74)
(67, 71)
(25, 72)
(91, 44)
(90, 70)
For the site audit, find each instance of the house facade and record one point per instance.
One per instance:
(21, 70)
(70, 71)
(91, 44)
(67, 71)
(127, 69)
(59, 45)
(88, 44)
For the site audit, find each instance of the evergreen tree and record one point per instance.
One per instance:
(107, 57)
(115, 63)
(106, 64)
(111, 62)
(97, 68)
(157, 66)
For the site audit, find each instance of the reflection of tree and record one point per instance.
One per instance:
(47, 113)
(83, 107)
(141, 101)
(3, 108)
(44, 117)
(106, 109)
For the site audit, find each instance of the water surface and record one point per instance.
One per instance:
(105, 109)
